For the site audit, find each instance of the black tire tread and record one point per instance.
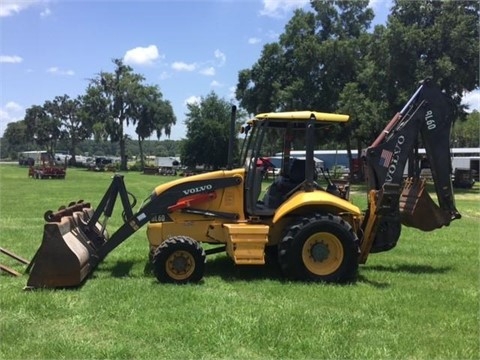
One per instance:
(286, 252)
(168, 246)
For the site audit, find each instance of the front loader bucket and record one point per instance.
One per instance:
(66, 255)
(418, 210)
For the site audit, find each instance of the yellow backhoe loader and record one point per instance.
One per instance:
(316, 232)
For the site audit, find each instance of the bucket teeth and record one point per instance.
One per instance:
(62, 211)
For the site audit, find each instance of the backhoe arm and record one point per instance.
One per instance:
(429, 115)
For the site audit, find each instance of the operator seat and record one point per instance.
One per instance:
(283, 184)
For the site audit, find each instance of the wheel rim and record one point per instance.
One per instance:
(322, 253)
(180, 265)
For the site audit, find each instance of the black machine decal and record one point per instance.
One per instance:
(160, 218)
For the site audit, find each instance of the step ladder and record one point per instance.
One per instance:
(246, 243)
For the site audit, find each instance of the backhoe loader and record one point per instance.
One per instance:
(316, 233)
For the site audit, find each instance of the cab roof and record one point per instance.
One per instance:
(303, 116)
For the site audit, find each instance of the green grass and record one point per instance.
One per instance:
(418, 301)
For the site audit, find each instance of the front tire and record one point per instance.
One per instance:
(320, 248)
(179, 260)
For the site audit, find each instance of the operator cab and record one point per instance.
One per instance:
(277, 134)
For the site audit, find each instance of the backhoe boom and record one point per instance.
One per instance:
(429, 115)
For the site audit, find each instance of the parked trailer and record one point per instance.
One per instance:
(42, 165)
(462, 158)
(33, 157)
(46, 171)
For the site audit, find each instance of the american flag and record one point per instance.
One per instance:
(385, 158)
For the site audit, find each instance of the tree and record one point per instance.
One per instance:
(154, 116)
(74, 124)
(326, 60)
(341, 28)
(44, 127)
(440, 41)
(208, 129)
(422, 39)
(313, 60)
(116, 100)
(15, 139)
(258, 88)
(466, 133)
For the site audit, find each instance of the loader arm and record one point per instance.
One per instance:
(75, 241)
(161, 204)
(429, 114)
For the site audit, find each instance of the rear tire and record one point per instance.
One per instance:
(179, 260)
(320, 248)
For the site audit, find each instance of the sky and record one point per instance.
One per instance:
(188, 48)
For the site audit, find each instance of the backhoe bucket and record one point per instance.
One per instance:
(66, 255)
(418, 210)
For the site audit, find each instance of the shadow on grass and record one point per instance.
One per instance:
(122, 268)
(221, 266)
(406, 268)
(409, 268)
(116, 270)
(473, 190)
(225, 268)
(377, 284)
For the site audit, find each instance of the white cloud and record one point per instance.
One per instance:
(13, 106)
(141, 55)
(220, 57)
(10, 112)
(57, 71)
(472, 99)
(10, 8)
(374, 4)
(11, 59)
(13, 7)
(45, 13)
(192, 100)
(380, 5)
(254, 40)
(181, 66)
(280, 8)
(210, 71)
(215, 83)
(165, 75)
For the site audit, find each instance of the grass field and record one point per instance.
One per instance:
(418, 301)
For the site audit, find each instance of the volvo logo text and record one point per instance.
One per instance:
(198, 189)
(392, 168)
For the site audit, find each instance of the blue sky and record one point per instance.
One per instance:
(188, 48)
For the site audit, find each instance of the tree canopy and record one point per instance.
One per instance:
(73, 124)
(328, 59)
(208, 130)
(119, 99)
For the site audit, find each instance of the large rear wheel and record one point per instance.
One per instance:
(179, 259)
(320, 248)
